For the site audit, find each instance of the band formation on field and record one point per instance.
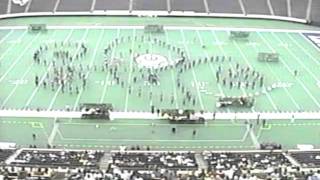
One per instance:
(155, 73)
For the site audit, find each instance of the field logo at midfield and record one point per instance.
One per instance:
(314, 38)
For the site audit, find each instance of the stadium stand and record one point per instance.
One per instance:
(299, 8)
(16, 8)
(225, 6)
(307, 159)
(3, 7)
(58, 158)
(187, 5)
(112, 5)
(4, 154)
(87, 165)
(147, 161)
(279, 7)
(37, 6)
(242, 161)
(67, 5)
(256, 7)
(158, 5)
(315, 12)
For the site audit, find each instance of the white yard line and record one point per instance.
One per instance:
(53, 132)
(90, 66)
(108, 74)
(59, 88)
(27, 48)
(297, 59)
(278, 79)
(210, 65)
(249, 65)
(130, 72)
(6, 36)
(309, 41)
(225, 54)
(16, 86)
(193, 72)
(290, 71)
(15, 62)
(43, 77)
(172, 76)
(253, 137)
(304, 50)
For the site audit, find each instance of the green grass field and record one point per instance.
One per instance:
(18, 71)
(297, 92)
(219, 134)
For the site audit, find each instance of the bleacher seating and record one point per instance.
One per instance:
(37, 6)
(58, 158)
(85, 165)
(158, 5)
(251, 7)
(245, 160)
(299, 8)
(16, 8)
(147, 161)
(256, 7)
(4, 154)
(225, 6)
(112, 5)
(81, 5)
(187, 5)
(315, 12)
(307, 159)
(279, 7)
(3, 7)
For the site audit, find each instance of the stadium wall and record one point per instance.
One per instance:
(152, 14)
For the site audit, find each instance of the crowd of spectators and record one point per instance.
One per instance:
(307, 159)
(60, 158)
(149, 160)
(4, 154)
(48, 164)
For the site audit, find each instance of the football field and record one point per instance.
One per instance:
(282, 89)
(111, 64)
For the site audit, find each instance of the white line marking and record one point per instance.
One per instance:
(90, 65)
(172, 76)
(16, 86)
(247, 62)
(297, 59)
(285, 88)
(43, 77)
(108, 74)
(15, 62)
(60, 86)
(173, 28)
(219, 44)
(288, 68)
(130, 71)
(304, 50)
(193, 72)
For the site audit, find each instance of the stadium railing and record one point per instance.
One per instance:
(153, 14)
